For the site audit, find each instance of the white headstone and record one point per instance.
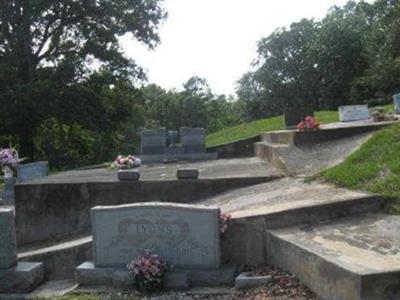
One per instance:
(186, 236)
(31, 171)
(8, 241)
(396, 100)
(349, 113)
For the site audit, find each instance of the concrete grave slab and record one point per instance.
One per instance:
(351, 258)
(31, 171)
(153, 141)
(187, 174)
(186, 236)
(349, 113)
(8, 241)
(193, 140)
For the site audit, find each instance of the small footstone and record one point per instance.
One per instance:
(22, 278)
(245, 281)
(187, 174)
(128, 175)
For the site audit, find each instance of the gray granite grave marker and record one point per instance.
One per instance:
(294, 116)
(396, 100)
(350, 113)
(187, 236)
(193, 140)
(8, 241)
(31, 171)
(153, 141)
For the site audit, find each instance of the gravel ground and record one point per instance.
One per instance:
(283, 286)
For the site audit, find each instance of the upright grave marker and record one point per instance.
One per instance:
(294, 116)
(193, 140)
(186, 236)
(396, 100)
(153, 141)
(349, 113)
(31, 171)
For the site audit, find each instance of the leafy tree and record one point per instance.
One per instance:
(41, 39)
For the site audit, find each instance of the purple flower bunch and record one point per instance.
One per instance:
(126, 162)
(9, 158)
(224, 220)
(148, 271)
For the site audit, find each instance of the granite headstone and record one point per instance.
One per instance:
(294, 116)
(396, 100)
(153, 141)
(193, 140)
(350, 113)
(8, 241)
(186, 236)
(31, 171)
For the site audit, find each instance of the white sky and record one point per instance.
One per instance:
(216, 39)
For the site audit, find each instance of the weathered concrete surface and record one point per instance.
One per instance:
(285, 202)
(88, 275)
(246, 280)
(309, 159)
(241, 148)
(348, 259)
(61, 258)
(62, 202)
(217, 169)
(21, 278)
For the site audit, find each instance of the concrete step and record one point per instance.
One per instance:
(353, 258)
(281, 203)
(60, 258)
(271, 153)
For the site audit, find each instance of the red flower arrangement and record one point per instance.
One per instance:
(309, 123)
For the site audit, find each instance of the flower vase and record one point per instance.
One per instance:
(8, 172)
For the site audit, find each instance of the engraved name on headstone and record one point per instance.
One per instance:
(193, 140)
(153, 141)
(8, 241)
(31, 171)
(349, 113)
(186, 236)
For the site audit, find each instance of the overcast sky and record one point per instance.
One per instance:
(216, 39)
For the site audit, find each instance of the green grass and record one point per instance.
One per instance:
(252, 129)
(375, 167)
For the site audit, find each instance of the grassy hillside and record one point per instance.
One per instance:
(248, 130)
(375, 167)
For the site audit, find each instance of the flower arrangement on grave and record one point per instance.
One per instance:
(148, 271)
(224, 220)
(126, 162)
(309, 123)
(8, 161)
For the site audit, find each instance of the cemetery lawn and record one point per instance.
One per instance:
(375, 167)
(252, 129)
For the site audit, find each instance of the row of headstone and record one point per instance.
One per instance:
(15, 277)
(158, 141)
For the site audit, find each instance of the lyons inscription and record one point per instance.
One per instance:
(187, 236)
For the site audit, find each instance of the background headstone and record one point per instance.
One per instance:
(294, 116)
(396, 100)
(193, 140)
(349, 113)
(153, 141)
(31, 171)
(173, 137)
(186, 236)
(8, 241)
(8, 191)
